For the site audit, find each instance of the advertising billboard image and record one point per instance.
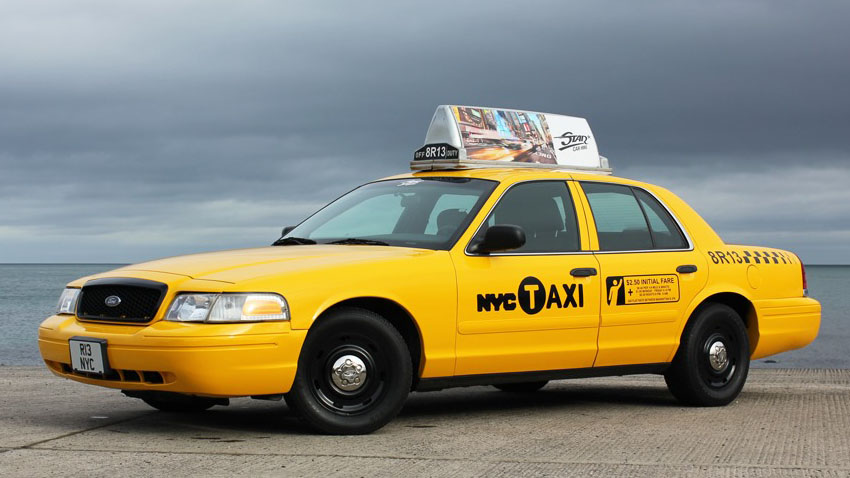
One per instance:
(505, 135)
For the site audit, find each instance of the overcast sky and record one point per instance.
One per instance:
(134, 130)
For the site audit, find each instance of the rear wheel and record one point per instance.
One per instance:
(713, 360)
(522, 387)
(354, 373)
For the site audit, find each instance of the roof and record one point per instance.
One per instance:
(515, 174)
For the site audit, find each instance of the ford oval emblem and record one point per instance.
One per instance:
(112, 301)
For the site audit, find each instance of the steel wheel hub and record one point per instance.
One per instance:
(348, 373)
(718, 357)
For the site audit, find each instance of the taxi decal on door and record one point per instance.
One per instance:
(532, 296)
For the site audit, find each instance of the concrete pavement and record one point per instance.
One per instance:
(785, 423)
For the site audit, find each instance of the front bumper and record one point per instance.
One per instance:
(222, 360)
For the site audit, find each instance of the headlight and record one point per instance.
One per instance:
(228, 308)
(68, 302)
(191, 307)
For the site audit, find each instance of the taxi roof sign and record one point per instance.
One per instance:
(473, 137)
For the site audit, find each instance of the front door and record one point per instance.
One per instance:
(650, 274)
(536, 307)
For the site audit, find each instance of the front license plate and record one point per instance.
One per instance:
(88, 355)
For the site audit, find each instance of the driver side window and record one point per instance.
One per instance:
(544, 210)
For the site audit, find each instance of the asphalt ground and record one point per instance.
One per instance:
(785, 423)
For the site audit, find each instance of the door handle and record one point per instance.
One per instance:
(686, 269)
(583, 272)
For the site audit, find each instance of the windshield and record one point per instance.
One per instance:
(428, 213)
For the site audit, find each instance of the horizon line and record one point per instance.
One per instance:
(130, 263)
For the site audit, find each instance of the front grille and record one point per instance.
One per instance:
(138, 300)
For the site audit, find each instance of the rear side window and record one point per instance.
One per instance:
(630, 219)
(620, 223)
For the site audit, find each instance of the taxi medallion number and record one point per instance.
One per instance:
(88, 355)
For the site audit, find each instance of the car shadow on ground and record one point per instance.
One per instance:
(264, 419)
(561, 395)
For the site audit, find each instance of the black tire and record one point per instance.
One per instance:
(694, 378)
(521, 387)
(179, 403)
(348, 338)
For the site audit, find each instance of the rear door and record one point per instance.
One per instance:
(650, 273)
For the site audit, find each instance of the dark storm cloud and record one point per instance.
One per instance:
(130, 130)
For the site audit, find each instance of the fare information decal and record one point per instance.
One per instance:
(649, 289)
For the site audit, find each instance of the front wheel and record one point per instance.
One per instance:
(713, 360)
(354, 373)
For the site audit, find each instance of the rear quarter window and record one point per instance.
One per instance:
(665, 232)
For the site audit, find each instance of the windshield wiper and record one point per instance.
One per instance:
(357, 240)
(293, 241)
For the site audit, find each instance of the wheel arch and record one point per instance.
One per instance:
(739, 302)
(398, 316)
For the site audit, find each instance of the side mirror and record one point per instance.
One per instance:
(501, 237)
(286, 230)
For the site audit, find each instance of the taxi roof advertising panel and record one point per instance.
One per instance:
(471, 136)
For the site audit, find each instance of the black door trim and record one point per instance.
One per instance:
(439, 383)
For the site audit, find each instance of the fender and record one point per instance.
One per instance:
(710, 290)
(335, 299)
(437, 358)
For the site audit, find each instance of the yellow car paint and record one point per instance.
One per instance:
(439, 291)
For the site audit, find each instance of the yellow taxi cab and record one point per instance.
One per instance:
(508, 257)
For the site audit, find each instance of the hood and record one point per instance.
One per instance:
(241, 264)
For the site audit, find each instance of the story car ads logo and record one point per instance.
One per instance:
(577, 142)
(532, 297)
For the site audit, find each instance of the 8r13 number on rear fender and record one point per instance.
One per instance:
(713, 360)
(354, 373)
